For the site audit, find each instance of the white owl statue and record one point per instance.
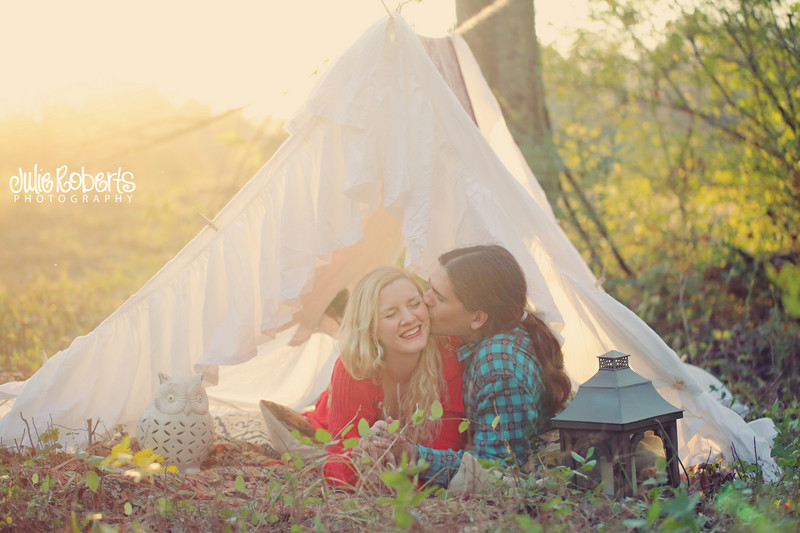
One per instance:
(177, 424)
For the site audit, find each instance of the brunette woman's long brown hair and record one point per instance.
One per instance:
(489, 278)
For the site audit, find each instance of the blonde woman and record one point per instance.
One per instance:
(389, 366)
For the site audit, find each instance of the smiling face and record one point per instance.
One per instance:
(448, 314)
(403, 323)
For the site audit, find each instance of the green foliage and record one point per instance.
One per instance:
(527, 525)
(664, 129)
(436, 410)
(587, 463)
(322, 436)
(686, 154)
(407, 494)
(92, 480)
(363, 428)
(40, 320)
(787, 280)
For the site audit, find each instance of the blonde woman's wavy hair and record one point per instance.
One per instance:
(358, 342)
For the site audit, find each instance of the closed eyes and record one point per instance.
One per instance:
(412, 304)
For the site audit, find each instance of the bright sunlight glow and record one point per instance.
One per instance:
(258, 53)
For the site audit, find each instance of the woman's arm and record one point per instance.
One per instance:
(350, 400)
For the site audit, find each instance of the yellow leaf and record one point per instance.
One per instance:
(121, 454)
(146, 457)
(123, 447)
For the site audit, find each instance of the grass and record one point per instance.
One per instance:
(116, 487)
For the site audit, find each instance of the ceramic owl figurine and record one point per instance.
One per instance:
(177, 424)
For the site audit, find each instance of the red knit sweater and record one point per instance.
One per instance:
(353, 399)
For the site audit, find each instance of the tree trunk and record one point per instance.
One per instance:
(502, 36)
(507, 50)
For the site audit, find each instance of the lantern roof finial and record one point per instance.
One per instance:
(613, 360)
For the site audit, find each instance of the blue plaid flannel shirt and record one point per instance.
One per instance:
(502, 378)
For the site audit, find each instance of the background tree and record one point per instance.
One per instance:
(502, 36)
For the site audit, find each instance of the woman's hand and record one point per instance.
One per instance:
(393, 444)
(377, 453)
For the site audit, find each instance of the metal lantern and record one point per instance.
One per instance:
(611, 412)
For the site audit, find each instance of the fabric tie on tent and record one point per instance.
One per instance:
(383, 150)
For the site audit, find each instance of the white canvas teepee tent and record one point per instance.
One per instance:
(383, 157)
